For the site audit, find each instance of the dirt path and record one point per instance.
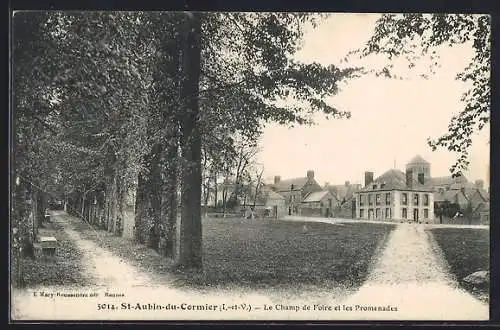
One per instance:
(411, 275)
(107, 269)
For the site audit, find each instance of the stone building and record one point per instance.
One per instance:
(417, 196)
(455, 193)
(320, 204)
(395, 196)
(295, 190)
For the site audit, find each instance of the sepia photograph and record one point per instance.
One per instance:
(249, 166)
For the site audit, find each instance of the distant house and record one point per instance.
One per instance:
(273, 203)
(416, 196)
(421, 172)
(453, 194)
(473, 203)
(295, 190)
(319, 203)
(395, 196)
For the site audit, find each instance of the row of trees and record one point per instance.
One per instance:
(106, 103)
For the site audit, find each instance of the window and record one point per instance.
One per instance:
(404, 198)
(377, 199)
(382, 185)
(426, 200)
(361, 213)
(377, 213)
(404, 213)
(374, 186)
(415, 199)
(421, 178)
(387, 213)
(361, 200)
(388, 198)
(370, 199)
(320, 204)
(291, 187)
(426, 214)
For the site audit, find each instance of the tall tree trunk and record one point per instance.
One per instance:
(190, 253)
(140, 205)
(155, 194)
(18, 223)
(120, 207)
(216, 192)
(171, 198)
(224, 199)
(41, 205)
(207, 193)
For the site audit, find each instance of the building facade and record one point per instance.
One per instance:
(295, 190)
(395, 196)
(319, 204)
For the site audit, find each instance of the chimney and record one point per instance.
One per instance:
(277, 179)
(368, 178)
(347, 183)
(310, 175)
(409, 178)
(479, 184)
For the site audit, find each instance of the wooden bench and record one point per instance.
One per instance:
(46, 246)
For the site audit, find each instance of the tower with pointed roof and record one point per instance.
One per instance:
(419, 168)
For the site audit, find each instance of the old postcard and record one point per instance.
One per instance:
(249, 166)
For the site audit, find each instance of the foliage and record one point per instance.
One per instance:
(102, 99)
(97, 92)
(419, 36)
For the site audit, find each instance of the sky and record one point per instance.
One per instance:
(391, 119)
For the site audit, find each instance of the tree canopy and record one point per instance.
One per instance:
(105, 102)
(416, 36)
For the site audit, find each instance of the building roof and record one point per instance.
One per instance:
(271, 195)
(417, 160)
(446, 180)
(286, 185)
(447, 195)
(316, 196)
(342, 191)
(462, 197)
(265, 195)
(395, 180)
(484, 194)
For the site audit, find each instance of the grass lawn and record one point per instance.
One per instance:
(267, 253)
(65, 269)
(466, 250)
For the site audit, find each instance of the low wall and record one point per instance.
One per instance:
(461, 221)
